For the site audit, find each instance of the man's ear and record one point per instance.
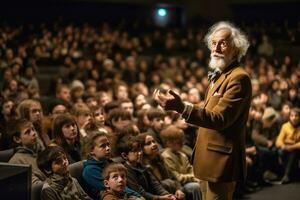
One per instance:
(106, 183)
(124, 155)
(17, 139)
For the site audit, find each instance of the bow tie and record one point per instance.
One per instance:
(213, 75)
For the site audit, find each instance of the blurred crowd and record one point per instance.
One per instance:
(107, 73)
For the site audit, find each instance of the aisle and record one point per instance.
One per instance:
(277, 192)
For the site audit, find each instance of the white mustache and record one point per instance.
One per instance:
(217, 55)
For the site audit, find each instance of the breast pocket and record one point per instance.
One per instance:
(213, 101)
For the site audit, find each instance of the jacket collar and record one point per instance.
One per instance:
(220, 80)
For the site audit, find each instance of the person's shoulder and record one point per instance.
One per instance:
(108, 196)
(166, 153)
(240, 70)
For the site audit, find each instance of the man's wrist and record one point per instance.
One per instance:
(188, 107)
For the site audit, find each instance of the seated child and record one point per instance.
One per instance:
(66, 135)
(115, 179)
(153, 161)
(288, 142)
(97, 149)
(178, 163)
(53, 162)
(24, 136)
(139, 177)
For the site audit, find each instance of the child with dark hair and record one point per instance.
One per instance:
(156, 122)
(97, 152)
(139, 177)
(24, 137)
(66, 135)
(153, 161)
(118, 118)
(177, 162)
(53, 163)
(115, 179)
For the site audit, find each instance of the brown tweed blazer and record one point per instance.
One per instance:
(219, 153)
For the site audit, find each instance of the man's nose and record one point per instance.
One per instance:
(217, 48)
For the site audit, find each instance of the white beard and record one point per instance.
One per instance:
(217, 63)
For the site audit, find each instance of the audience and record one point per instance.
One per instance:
(105, 78)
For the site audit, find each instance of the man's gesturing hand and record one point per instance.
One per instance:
(169, 101)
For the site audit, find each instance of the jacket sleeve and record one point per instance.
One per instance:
(280, 138)
(133, 184)
(48, 194)
(182, 178)
(259, 138)
(93, 177)
(81, 192)
(229, 107)
(157, 187)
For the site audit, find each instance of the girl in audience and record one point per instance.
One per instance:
(66, 135)
(139, 177)
(153, 161)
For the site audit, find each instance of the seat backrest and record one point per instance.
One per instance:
(6, 155)
(75, 170)
(36, 190)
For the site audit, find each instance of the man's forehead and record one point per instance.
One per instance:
(221, 34)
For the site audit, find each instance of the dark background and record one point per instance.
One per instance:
(16, 11)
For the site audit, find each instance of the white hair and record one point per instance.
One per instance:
(238, 38)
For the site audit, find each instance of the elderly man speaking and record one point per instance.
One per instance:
(219, 153)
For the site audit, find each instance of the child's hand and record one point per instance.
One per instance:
(167, 197)
(136, 198)
(179, 194)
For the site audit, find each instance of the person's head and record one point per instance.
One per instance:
(127, 105)
(98, 115)
(269, 117)
(295, 117)
(63, 92)
(65, 129)
(103, 98)
(194, 95)
(121, 91)
(156, 117)
(31, 110)
(82, 114)
(139, 101)
(130, 129)
(175, 119)
(149, 145)
(58, 107)
(23, 133)
(172, 137)
(227, 44)
(293, 93)
(7, 107)
(90, 100)
(142, 120)
(96, 146)
(115, 177)
(53, 160)
(130, 149)
(118, 118)
(286, 109)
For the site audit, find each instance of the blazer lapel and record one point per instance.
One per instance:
(216, 85)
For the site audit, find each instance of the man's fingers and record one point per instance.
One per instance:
(174, 94)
